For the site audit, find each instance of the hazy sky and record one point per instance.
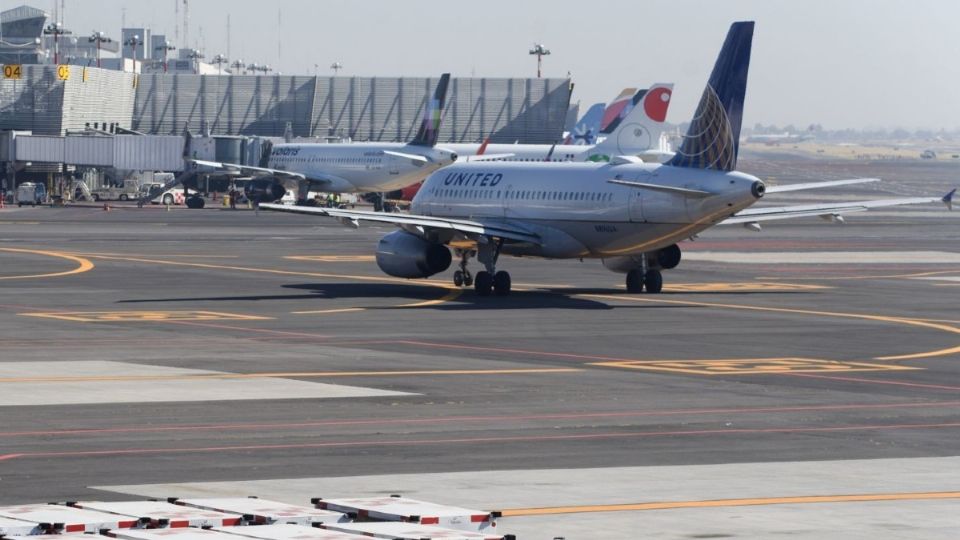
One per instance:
(840, 63)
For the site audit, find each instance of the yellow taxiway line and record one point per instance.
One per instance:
(878, 318)
(722, 503)
(83, 265)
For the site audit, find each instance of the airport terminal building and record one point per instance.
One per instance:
(54, 92)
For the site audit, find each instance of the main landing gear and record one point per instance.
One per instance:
(486, 281)
(644, 277)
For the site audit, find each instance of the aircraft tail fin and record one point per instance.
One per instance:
(616, 109)
(586, 129)
(640, 128)
(713, 139)
(432, 114)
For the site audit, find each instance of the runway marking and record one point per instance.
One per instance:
(500, 419)
(332, 258)
(740, 287)
(453, 294)
(178, 255)
(285, 375)
(861, 277)
(724, 503)
(325, 311)
(83, 265)
(879, 318)
(745, 366)
(875, 381)
(146, 316)
(422, 283)
(471, 440)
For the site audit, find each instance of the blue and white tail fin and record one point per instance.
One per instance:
(586, 129)
(432, 114)
(713, 139)
(639, 127)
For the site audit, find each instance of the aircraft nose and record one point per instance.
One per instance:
(758, 189)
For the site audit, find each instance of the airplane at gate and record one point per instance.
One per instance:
(631, 215)
(348, 167)
(633, 126)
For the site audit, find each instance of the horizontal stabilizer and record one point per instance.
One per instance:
(684, 192)
(818, 185)
(412, 157)
(832, 211)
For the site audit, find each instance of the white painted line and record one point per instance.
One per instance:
(87, 390)
(824, 257)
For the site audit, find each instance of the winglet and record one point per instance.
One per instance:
(712, 141)
(430, 125)
(948, 199)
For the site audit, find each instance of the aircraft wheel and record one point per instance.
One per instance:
(458, 278)
(501, 283)
(653, 281)
(634, 281)
(483, 283)
(467, 278)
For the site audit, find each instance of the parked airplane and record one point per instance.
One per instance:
(348, 167)
(779, 138)
(630, 215)
(632, 130)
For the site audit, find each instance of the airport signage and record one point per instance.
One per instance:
(12, 71)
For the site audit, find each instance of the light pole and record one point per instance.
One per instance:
(56, 30)
(99, 38)
(219, 60)
(238, 65)
(166, 47)
(195, 56)
(540, 51)
(336, 67)
(133, 41)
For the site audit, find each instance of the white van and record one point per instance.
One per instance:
(31, 193)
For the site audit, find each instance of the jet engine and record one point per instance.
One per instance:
(661, 259)
(264, 190)
(406, 255)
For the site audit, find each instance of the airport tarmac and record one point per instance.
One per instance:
(798, 382)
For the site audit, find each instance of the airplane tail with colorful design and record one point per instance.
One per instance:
(432, 114)
(638, 125)
(713, 139)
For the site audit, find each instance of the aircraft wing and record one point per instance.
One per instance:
(470, 228)
(287, 178)
(752, 216)
(817, 185)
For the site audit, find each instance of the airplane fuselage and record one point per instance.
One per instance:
(359, 167)
(578, 213)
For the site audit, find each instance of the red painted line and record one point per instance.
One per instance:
(490, 418)
(248, 329)
(481, 440)
(874, 381)
(513, 351)
(5, 457)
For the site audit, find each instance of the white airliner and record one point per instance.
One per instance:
(635, 131)
(348, 167)
(629, 214)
